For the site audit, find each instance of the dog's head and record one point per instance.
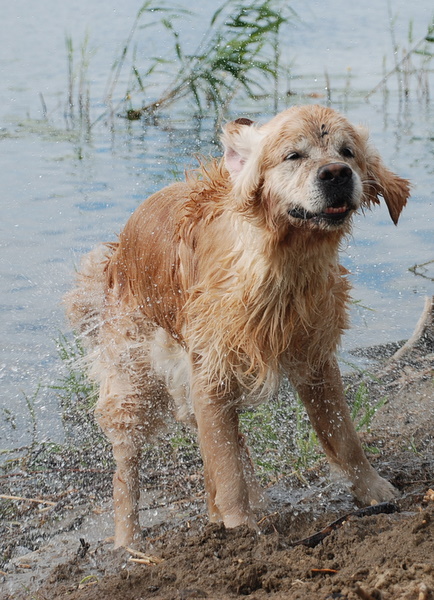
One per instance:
(308, 167)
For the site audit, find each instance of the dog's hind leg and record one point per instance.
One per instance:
(117, 413)
(132, 407)
(129, 417)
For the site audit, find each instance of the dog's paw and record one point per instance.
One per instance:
(375, 490)
(235, 520)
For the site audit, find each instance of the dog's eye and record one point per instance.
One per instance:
(347, 152)
(293, 156)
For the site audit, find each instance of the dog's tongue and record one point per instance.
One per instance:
(331, 210)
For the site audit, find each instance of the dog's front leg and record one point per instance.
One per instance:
(323, 396)
(227, 491)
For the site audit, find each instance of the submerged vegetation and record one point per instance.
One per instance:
(239, 55)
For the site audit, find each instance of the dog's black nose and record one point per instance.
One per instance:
(336, 173)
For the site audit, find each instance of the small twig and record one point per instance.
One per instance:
(324, 571)
(151, 560)
(82, 586)
(37, 500)
(416, 269)
(316, 538)
(9, 475)
(143, 559)
(83, 549)
(267, 517)
(88, 580)
(28, 473)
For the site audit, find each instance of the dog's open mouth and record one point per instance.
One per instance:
(333, 214)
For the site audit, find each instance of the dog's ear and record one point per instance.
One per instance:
(241, 142)
(238, 140)
(381, 182)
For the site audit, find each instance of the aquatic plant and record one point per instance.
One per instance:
(77, 109)
(76, 394)
(406, 69)
(239, 52)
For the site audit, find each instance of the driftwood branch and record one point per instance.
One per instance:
(423, 334)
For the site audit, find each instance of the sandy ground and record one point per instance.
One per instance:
(63, 550)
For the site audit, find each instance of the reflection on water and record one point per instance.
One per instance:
(61, 195)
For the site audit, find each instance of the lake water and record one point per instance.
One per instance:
(61, 195)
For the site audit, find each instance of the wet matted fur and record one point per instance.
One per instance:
(219, 286)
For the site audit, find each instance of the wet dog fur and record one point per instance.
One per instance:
(221, 285)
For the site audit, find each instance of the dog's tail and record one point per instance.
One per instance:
(84, 304)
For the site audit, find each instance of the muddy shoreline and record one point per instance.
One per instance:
(56, 544)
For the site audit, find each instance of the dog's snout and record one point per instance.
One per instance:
(337, 186)
(335, 173)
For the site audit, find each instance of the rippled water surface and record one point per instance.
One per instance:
(62, 194)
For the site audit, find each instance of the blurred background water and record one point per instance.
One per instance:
(62, 193)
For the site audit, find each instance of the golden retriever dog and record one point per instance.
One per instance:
(221, 285)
